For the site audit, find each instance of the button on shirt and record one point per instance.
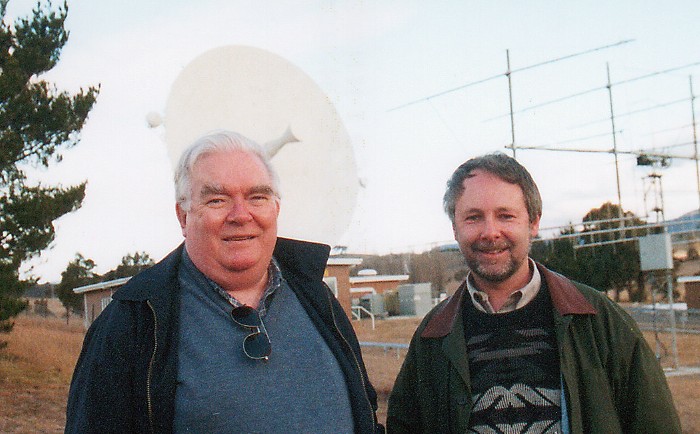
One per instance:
(516, 300)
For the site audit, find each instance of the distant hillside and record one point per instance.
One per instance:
(687, 222)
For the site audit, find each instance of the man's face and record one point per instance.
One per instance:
(493, 231)
(231, 226)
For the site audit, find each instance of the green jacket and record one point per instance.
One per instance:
(612, 380)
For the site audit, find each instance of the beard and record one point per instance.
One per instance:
(493, 271)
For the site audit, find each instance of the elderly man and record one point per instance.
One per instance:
(234, 331)
(519, 348)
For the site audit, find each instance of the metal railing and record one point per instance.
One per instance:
(386, 346)
(358, 314)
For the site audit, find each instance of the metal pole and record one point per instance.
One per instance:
(695, 137)
(510, 97)
(661, 199)
(614, 137)
(657, 351)
(672, 317)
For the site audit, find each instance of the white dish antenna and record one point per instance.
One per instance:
(266, 98)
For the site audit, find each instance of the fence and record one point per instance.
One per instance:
(654, 319)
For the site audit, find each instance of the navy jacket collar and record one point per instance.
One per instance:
(298, 257)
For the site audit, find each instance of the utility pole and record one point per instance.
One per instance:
(695, 137)
(614, 137)
(510, 96)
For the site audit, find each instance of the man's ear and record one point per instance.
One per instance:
(535, 227)
(182, 218)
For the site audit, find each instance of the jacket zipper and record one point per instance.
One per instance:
(149, 400)
(354, 357)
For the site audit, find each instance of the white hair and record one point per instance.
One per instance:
(217, 141)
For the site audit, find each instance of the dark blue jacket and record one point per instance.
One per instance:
(125, 378)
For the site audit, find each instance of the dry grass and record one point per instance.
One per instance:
(686, 396)
(35, 371)
(36, 367)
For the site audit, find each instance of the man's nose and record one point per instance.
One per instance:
(491, 228)
(239, 212)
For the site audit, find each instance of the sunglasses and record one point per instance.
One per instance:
(256, 345)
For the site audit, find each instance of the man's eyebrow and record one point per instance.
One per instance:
(262, 189)
(211, 190)
(215, 189)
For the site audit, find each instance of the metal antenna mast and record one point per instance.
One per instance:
(695, 137)
(614, 137)
(510, 98)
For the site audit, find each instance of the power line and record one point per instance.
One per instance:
(680, 127)
(634, 112)
(507, 73)
(579, 139)
(595, 89)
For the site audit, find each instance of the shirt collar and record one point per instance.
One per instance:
(274, 281)
(516, 300)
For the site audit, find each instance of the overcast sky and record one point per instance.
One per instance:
(369, 58)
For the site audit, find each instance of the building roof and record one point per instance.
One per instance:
(684, 279)
(381, 278)
(101, 285)
(344, 261)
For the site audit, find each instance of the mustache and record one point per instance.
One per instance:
(491, 246)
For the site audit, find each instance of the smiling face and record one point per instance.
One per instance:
(493, 230)
(230, 228)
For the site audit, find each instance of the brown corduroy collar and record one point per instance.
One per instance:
(567, 300)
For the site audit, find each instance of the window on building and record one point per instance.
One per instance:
(105, 301)
(332, 283)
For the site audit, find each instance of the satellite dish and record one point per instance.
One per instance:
(268, 99)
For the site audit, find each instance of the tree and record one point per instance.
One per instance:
(604, 264)
(559, 254)
(79, 272)
(612, 266)
(131, 264)
(37, 122)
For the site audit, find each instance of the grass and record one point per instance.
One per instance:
(35, 371)
(36, 367)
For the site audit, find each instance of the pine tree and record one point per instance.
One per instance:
(79, 272)
(37, 122)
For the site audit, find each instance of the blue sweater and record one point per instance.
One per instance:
(301, 387)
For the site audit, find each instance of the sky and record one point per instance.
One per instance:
(420, 88)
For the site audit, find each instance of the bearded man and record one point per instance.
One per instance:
(519, 348)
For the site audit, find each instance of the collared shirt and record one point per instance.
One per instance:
(516, 300)
(274, 280)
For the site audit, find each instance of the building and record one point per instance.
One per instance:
(337, 277)
(97, 296)
(376, 284)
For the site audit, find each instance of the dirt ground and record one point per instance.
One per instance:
(31, 405)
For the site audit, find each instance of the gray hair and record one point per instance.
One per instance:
(502, 166)
(217, 141)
